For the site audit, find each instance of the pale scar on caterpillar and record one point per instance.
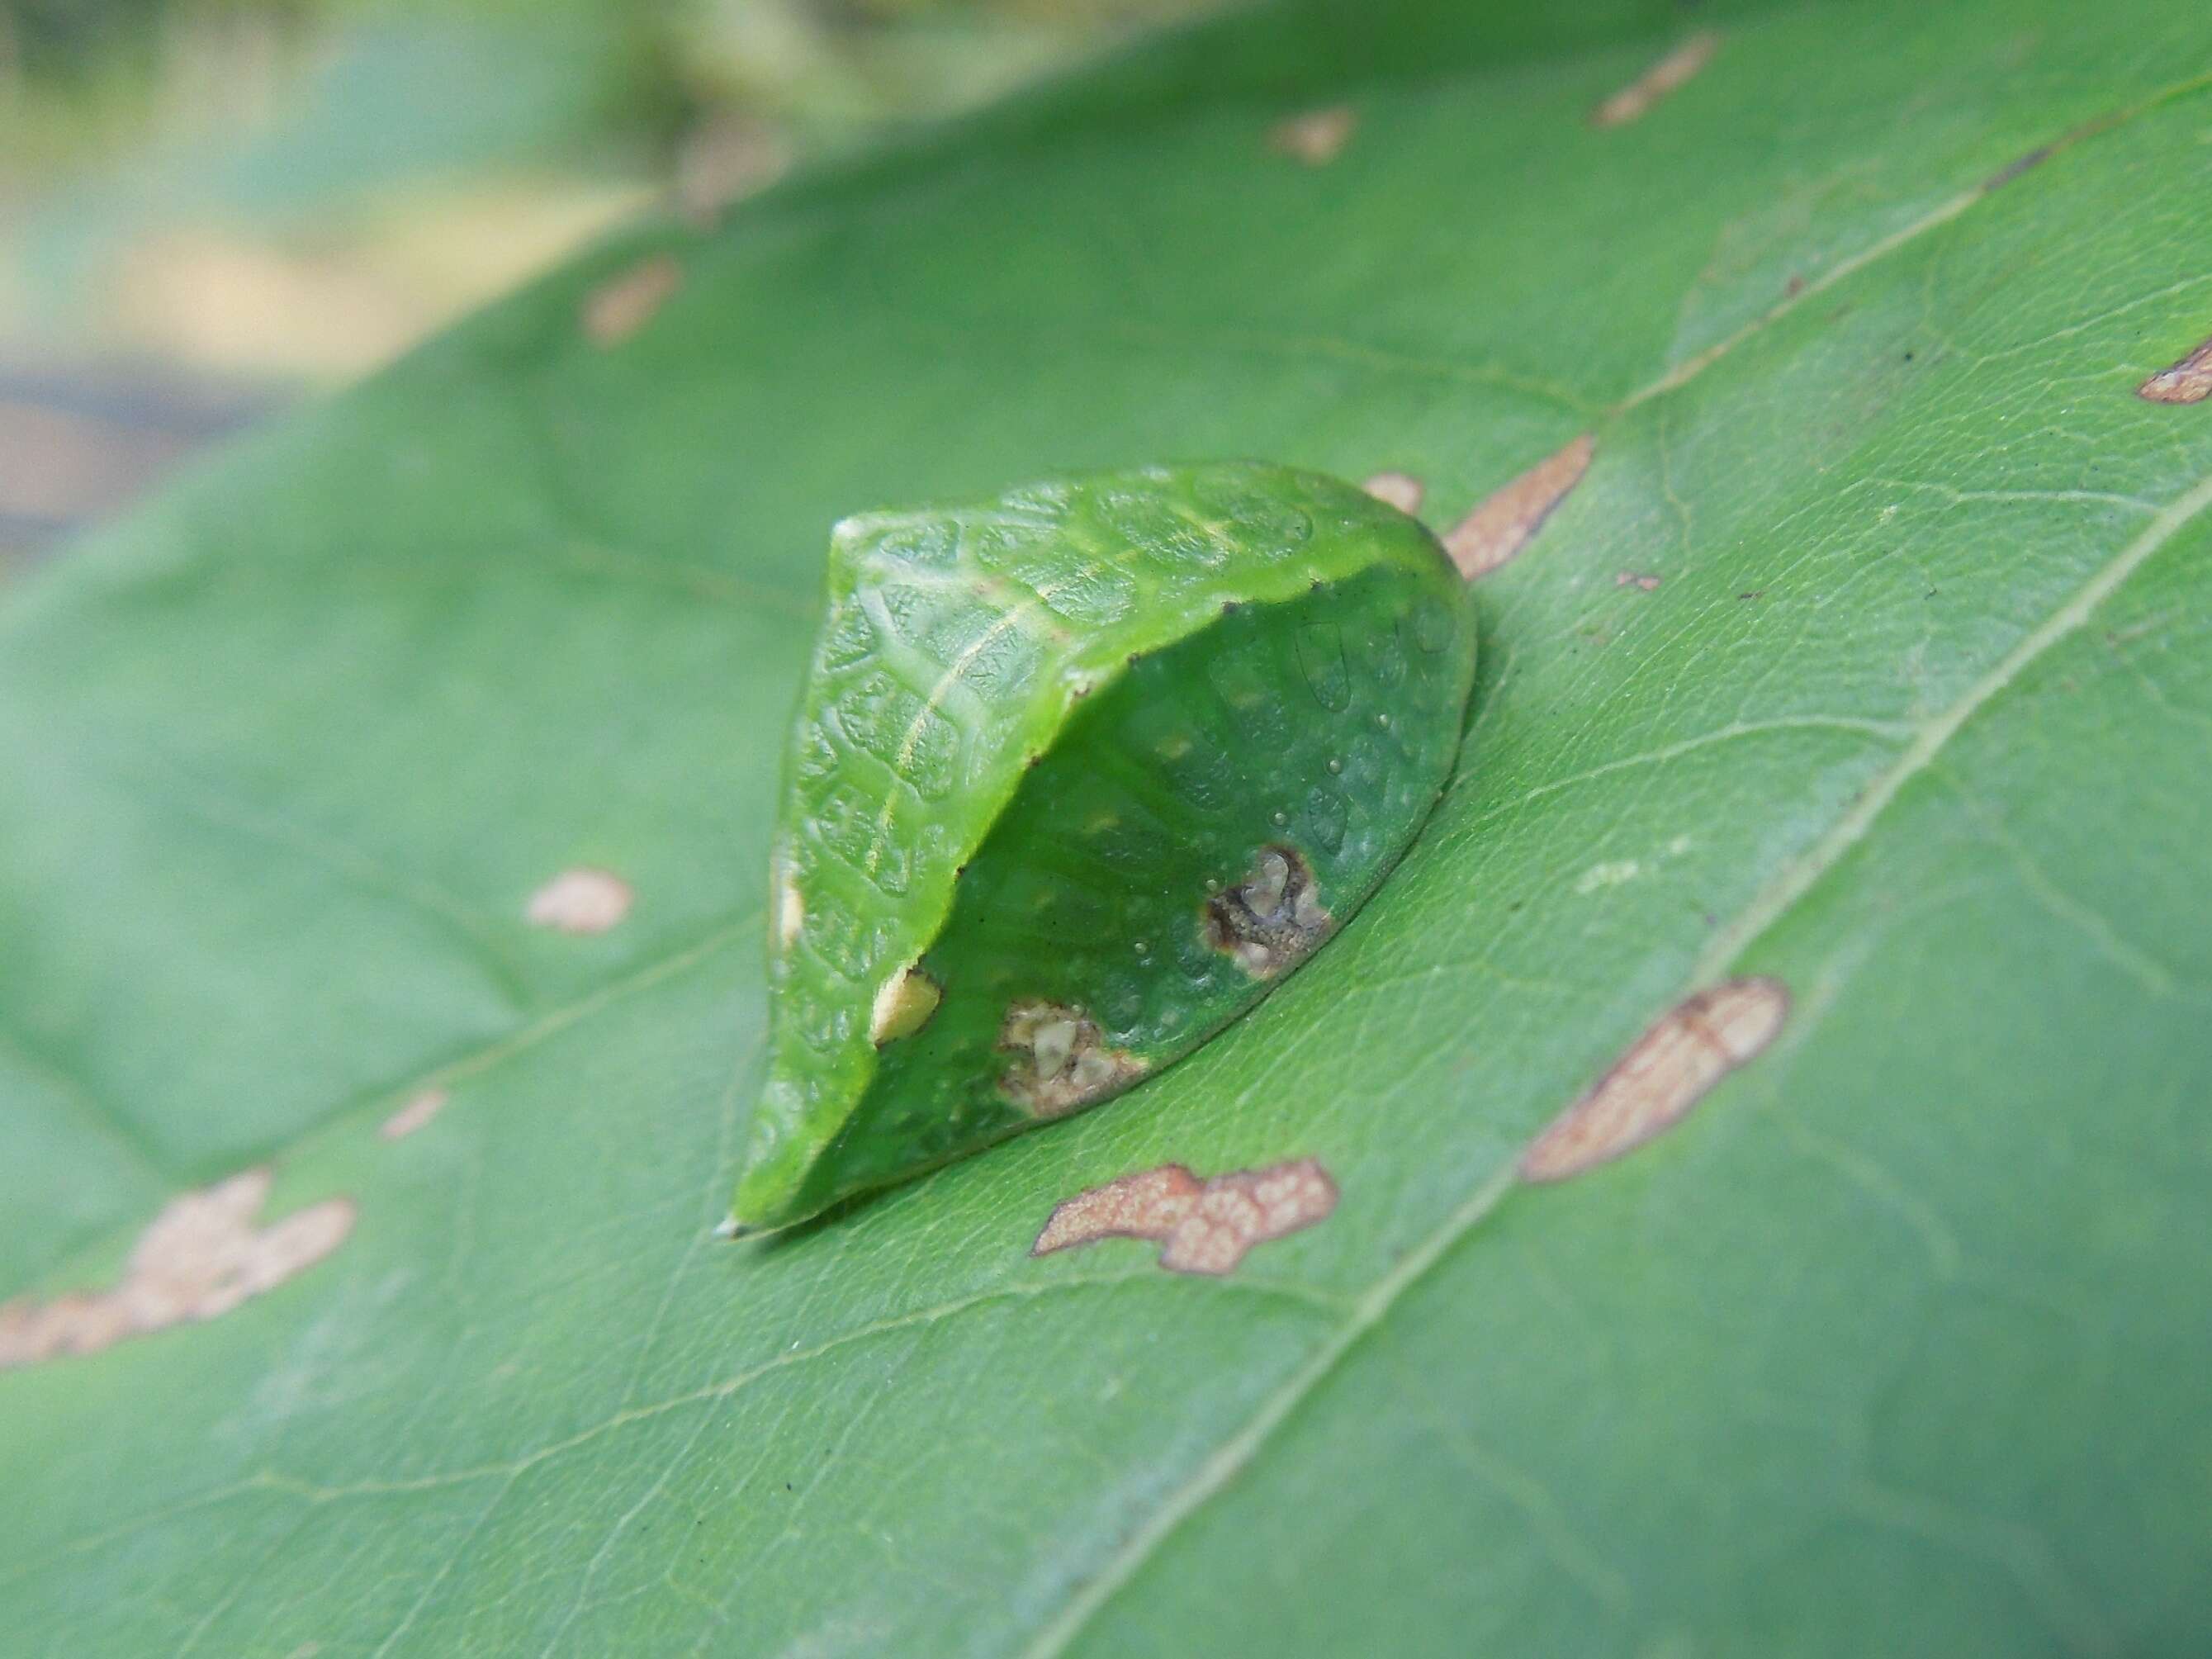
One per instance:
(1078, 774)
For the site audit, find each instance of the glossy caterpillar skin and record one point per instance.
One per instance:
(1078, 774)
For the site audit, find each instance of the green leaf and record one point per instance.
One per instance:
(1869, 665)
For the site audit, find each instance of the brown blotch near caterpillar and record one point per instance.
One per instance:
(1203, 1226)
(2189, 382)
(1506, 520)
(1271, 920)
(1665, 1072)
(1061, 1058)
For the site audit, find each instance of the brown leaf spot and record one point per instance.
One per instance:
(1665, 1072)
(1316, 136)
(414, 1115)
(198, 1259)
(1146, 1204)
(1271, 920)
(580, 901)
(1501, 526)
(1634, 579)
(1634, 101)
(2189, 382)
(1399, 490)
(1061, 1058)
(1204, 1227)
(627, 301)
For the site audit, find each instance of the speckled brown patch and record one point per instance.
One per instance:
(1271, 920)
(1502, 525)
(2189, 382)
(198, 1259)
(1203, 1226)
(1665, 1072)
(1634, 101)
(1061, 1060)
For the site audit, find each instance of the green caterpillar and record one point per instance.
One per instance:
(1079, 775)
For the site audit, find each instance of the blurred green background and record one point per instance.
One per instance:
(210, 207)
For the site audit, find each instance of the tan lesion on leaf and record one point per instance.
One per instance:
(200, 1258)
(1315, 137)
(1667, 1071)
(1272, 919)
(1061, 1060)
(2189, 382)
(1502, 524)
(903, 1005)
(626, 301)
(1635, 101)
(416, 1113)
(723, 160)
(790, 908)
(1202, 1226)
(1399, 490)
(583, 899)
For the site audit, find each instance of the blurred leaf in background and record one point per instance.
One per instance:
(206, 204)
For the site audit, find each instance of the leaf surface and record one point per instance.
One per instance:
(1871, 655)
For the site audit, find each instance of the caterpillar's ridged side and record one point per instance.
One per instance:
(1078, 774)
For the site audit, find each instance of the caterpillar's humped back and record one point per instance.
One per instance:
(1077, 775)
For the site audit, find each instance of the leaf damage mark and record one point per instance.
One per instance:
(198, 1259)
(1399, 490)
(2012, 170)
(903, 1005)
(1316, 136)
(1203, 1226)
(723, 160)
(1665, 1072)
(1635, 101)
(626, 301)
(790, 911)
(1272, 919)
(1502, 525)
(1637, 579)
(1612, 872)
(415, 1114)
(2189, 382)
(1061, 1058)
(583, 899)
